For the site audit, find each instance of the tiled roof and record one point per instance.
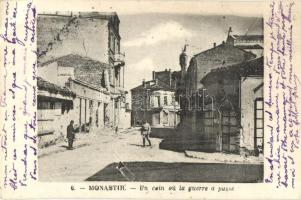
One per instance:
(256, 46)
(248, 37)
(224, 48)
(85, 69)
(53, 88)
(176, 74)
(100, 15)
(153, 86)
(252, 67)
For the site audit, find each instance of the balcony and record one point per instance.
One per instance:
(120, 89)
(119, 59)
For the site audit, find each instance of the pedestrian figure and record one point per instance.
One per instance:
(70, 134)
(145, 131)
(116, 129)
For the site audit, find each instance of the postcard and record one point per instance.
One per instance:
(150, 99)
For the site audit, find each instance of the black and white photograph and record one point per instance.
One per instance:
(150, 97)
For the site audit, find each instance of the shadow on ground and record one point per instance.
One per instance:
(174, 140)
(181, 172)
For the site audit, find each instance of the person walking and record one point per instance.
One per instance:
(116, 129)
(145, 131)
(70, 134)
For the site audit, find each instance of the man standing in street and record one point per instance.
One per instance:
(145, 131)
(70, 135)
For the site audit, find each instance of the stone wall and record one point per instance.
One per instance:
(220, 56)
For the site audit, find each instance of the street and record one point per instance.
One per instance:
(97, 156)
(182, 172)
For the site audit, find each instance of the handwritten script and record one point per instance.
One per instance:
(18, 96)
(281, 97)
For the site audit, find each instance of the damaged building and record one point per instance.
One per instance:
(70, 56)
(55, 106)
(234, 119)
(221, 100)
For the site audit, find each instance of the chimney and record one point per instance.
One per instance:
(230, 30)
(214, 44)
(154, 75)
(143, 83)
(170, 77)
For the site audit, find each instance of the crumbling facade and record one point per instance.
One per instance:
(55, 107)
(81, 51)
(237, 107)
(221, 99)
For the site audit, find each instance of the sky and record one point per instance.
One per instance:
(154, 41)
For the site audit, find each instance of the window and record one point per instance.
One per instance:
(66, 106)
(46, 105)
(117, 76)
(152, 102)
(110, 73)
(52, 105)
(116, 46)
(190, 104)
(258, 125)
(165, 101)
(63, 108)
(158, 101)
(193, 101)
(112, 41)
(40, 105)
(116, 104)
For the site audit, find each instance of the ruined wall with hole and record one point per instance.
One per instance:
(75, 35)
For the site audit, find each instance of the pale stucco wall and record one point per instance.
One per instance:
(257, 52)
(53, 120)
(248, 96)
(49, 73)
(87, 94)
(63, 74)
(125, 117)
(56, 74)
